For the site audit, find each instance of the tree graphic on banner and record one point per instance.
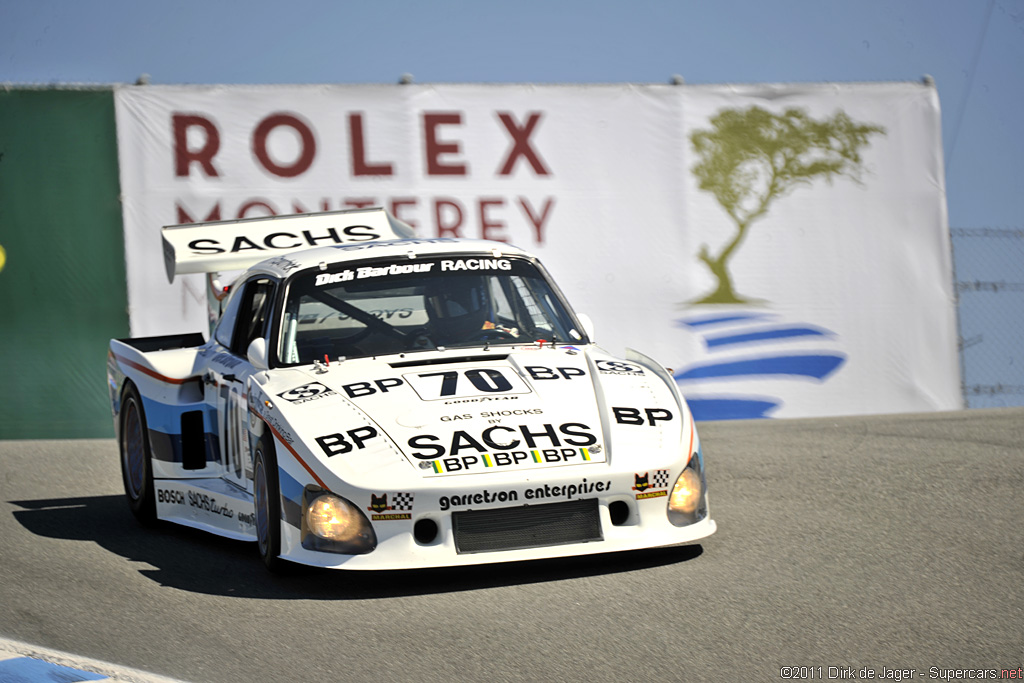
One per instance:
(749, 158)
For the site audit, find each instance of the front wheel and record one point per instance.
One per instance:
(267, 500)
(136, 458)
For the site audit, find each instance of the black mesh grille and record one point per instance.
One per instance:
(529, 526)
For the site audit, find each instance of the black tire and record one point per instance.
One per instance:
(267, 502)
(136, 457)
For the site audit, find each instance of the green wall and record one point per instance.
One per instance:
(62, 286)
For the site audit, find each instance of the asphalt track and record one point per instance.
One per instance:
(887, 543)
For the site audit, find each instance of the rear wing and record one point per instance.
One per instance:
(236, 245)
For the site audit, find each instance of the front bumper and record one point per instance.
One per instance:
(421, 530)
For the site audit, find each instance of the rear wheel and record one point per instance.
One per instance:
(267, 500)
(136, 463)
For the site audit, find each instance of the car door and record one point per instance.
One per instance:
(246, 317)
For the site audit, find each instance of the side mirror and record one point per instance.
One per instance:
(588, 325)
(257, 353)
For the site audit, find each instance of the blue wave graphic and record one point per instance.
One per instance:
(815, 366)
(770, 334)
(743, 330)
(719, 319)
(730, 408)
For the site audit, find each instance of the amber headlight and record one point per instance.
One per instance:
(332, 524)
(686, 493)
(686, 502)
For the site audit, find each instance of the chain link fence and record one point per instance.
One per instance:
(989, 271)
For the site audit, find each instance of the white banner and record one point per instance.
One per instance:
(784, 248)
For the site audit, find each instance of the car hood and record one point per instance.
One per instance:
(436, 415)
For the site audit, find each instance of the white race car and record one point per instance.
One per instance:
(368, 400)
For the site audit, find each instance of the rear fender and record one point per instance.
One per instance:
(167, 373)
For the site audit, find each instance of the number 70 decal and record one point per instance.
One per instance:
(449, 384)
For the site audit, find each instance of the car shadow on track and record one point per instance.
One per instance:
(196, 561)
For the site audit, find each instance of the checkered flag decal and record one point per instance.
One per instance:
(660, 479)
(403, 501)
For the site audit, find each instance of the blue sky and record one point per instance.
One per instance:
(973, 48)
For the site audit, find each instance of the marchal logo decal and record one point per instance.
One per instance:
(399, 509)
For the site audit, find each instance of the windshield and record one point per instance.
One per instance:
(390, 306)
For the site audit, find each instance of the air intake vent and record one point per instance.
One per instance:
(529, 526)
